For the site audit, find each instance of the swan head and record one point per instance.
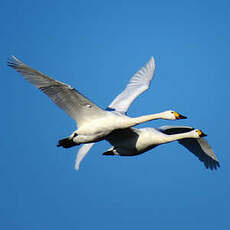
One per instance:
(172, 115)
(198, 133)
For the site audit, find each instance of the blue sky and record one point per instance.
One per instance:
(96, 46)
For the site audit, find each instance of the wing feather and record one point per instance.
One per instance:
(139, 82)
(82, 153)
(67, 98)
(199, 147)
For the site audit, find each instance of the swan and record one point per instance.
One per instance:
(132, 144)
(120, 105)
(132, 141)
(93, 122)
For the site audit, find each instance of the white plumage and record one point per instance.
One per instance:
(93, 122)
(132, 141)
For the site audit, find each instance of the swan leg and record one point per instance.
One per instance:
(83, 139)
(110, 152)
(66, 143)
(116, 151)
(77, 139)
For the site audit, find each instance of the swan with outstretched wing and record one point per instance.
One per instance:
(138, 83)
(132, 141)
(93, 123)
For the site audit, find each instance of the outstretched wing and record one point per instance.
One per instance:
(82, 153)
(199, 147)
(139, 82)
(137, 85)
(67, 98)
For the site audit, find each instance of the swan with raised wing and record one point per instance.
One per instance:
(132, 141)
(93, 122)
(136, 86)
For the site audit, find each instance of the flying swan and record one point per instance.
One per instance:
(93, 122)
(136, 86)
(132, 141)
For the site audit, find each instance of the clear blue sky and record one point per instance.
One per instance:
(96, 46)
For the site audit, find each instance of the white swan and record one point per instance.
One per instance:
(93, 122)
(131, 142)
(137, 85)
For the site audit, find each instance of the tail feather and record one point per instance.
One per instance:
(66, 143)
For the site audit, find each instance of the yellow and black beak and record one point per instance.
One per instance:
(201, 134)
(179, 116)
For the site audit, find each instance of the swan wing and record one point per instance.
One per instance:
(138, 83)
(82, 153)
(121, 136)
(199, 147)
(67, 98)
(116, 137)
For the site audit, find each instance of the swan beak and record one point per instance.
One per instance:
(201, 134)
(179, 116)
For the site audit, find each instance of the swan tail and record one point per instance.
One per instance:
(66, 143)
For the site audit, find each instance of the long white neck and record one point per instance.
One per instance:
(142, 119)
(175, 137)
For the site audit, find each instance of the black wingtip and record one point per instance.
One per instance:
(212, 164)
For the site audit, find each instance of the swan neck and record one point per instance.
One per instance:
(145, 118)
(175, 137)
